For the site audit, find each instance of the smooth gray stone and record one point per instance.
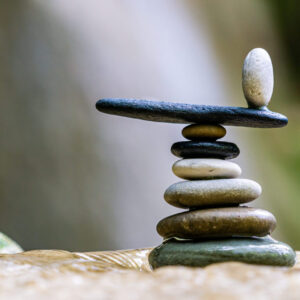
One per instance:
(191, 113)
(260, 251)
(212, 192)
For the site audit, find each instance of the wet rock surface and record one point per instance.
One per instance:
(49, 274)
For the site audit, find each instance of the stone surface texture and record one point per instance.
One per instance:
(203, 131)
(197, 168)
(218, 222)
(205, 149)
(199, 193)
(265, 251)
(49, 274)
(258, 78)
(170, 112)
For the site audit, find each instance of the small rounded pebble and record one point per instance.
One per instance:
(201, 193)
(258, 78)
(205, 168)
(196, 132)
(218, 222)
(192, 149)
(258, 251)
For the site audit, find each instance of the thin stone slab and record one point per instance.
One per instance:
(191, 113)
(205, 149)
(217, 222)
(205, 168)
(213, 192)
(260, 251)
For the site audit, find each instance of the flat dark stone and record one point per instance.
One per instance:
(205, 149)
(261, 251)
(191, 113)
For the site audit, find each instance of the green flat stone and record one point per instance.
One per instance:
(261, 251)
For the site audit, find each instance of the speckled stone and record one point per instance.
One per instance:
(214, 192)
(218, 222)
(258, 78)
(190, 113)
(204, 149)
(260, 251)
(205, 168)
(196, 132)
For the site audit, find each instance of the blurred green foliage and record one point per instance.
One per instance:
(286, 17)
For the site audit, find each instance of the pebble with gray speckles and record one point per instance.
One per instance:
(258, 78)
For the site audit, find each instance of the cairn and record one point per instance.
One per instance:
(216, 225)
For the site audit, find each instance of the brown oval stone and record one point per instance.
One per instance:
(218, 222)
(200, 131)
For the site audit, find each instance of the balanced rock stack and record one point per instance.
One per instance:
(217, 226)
(214, 196)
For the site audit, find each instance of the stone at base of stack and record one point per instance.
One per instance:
(260, 251)
(216, 228)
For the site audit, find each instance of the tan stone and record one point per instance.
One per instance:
(199, 131)
(64, 275)
(202, 168)
(199, 193)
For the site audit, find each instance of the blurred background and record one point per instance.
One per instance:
(75, 179)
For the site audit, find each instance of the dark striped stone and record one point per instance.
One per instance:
(205, 149)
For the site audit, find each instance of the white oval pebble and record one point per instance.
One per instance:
(258, 78)
(198, 168)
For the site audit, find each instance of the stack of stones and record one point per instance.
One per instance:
(213, 195)
(217, 226)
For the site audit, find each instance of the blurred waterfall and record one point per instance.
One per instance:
(73, 178)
